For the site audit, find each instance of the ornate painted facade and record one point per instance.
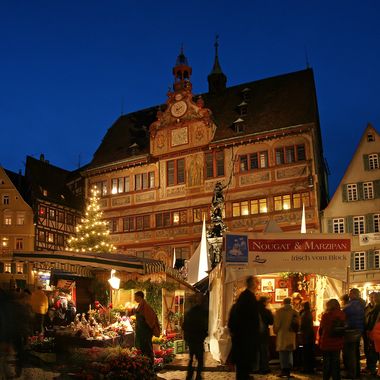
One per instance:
(157, 168)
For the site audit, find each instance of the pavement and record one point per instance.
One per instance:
(174, 371)
(214, 371)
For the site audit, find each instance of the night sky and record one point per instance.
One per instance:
(69, 68)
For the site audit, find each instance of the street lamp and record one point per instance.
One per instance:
(114, 281)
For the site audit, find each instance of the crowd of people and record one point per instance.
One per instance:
(343, 326)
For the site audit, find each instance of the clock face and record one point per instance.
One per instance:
(178, 109)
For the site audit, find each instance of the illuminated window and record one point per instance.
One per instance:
(338, 226)
(373, 160)
(7, 267)
(358, 225)
(19, 268)
(127, 186)
(5, 199)
(5, 242)
(240, 208)
(50, 237)
(114, 186)
(7, 220)
(359, 261)
(301, 198)
(214, 164)
(20, 220)
(376, 223)
(352, 192)
(368, 190)
(258, 206)
(42, 211)
(282, 202)
(19, 243)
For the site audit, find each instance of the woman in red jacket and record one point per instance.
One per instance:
(331, 341)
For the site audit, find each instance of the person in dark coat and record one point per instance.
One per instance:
(372, 316)
(243, 324)
(331, 345)
(266, 320)
(195, 328)
(355, 325)
(308, 338)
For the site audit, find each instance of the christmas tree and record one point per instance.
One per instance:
(92, 235)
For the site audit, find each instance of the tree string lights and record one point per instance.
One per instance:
(92, 234)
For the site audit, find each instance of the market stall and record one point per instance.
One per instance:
(319, 260)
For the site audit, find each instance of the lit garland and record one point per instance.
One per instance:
(92, 235)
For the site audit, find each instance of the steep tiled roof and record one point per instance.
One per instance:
(272, 103)
(43, 176)
(19, 182)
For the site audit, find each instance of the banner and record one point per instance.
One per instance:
(369, 239)
(325, 254)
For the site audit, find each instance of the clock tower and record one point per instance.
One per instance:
(185, 124)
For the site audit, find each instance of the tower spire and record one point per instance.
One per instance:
(216, 79)
(182, 72)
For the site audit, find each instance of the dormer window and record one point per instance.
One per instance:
(370, 137)
(239, 125)
(44, 192)
(243, 108)
(245, 94)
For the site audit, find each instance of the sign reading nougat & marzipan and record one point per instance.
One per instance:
(326, 254)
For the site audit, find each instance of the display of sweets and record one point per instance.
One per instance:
(90, 329)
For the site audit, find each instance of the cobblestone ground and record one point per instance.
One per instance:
(181, 375)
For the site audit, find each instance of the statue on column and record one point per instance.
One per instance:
(217, 226)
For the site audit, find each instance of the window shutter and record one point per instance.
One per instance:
(360, 190)
(25, 268)
(330, 226)
(366, 161)
(376, 188)
(1, 267)
(349, 224)
(370, 259)
(13, 267)
(369, 223)
(352, 261)
(344, 193)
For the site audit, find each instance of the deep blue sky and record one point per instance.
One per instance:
(65, 66)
